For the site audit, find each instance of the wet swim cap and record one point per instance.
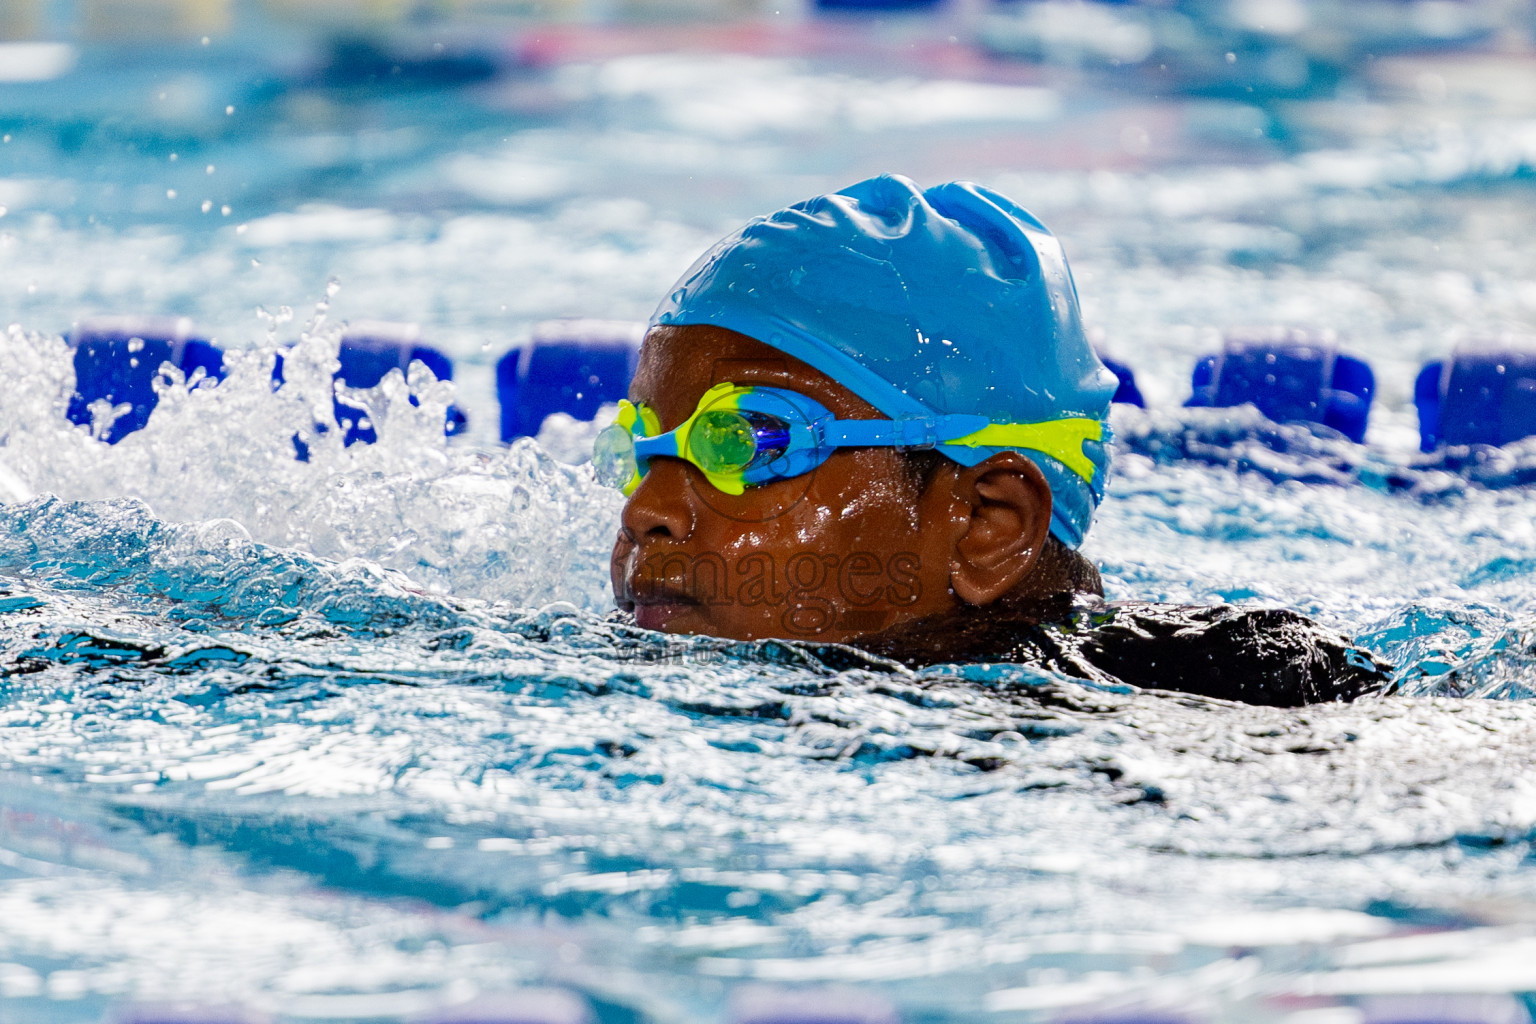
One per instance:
(950, 300)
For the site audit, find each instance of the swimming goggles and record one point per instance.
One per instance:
(743, 436)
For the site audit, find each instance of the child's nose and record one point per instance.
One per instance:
(659, 508)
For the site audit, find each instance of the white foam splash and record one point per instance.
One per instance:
(502, 524)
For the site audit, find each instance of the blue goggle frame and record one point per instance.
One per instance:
(745, 435)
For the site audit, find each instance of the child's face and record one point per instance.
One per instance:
(852, 548)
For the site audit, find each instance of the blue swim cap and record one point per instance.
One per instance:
(950, 300)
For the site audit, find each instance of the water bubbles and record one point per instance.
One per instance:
(104, 414)
(222, 535)
(273, 321)
(468, 522)
(283, 315)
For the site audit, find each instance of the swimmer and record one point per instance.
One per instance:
(873, 419)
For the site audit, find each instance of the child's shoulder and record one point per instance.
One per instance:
(1255, 655)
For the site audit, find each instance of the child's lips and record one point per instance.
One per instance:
(656, 603)
(658, 615)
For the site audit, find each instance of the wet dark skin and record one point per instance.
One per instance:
(862, 546)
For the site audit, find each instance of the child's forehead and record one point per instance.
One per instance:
(678, 364)
(705, 352)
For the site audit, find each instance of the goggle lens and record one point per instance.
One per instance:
(722, 441)
(613, 457)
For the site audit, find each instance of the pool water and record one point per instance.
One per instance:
(356, 738)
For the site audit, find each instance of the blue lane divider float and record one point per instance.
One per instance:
(369, 350)
(117, 360)
(1127, 393)
(1291, 376)
(1485, 394)
(572, 366)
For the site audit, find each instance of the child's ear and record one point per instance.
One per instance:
(1010, 519)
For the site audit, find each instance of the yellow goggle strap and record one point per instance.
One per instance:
(1062, 440)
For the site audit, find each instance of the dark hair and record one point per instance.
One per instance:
(921, 465)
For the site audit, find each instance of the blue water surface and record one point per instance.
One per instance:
(358, 738)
